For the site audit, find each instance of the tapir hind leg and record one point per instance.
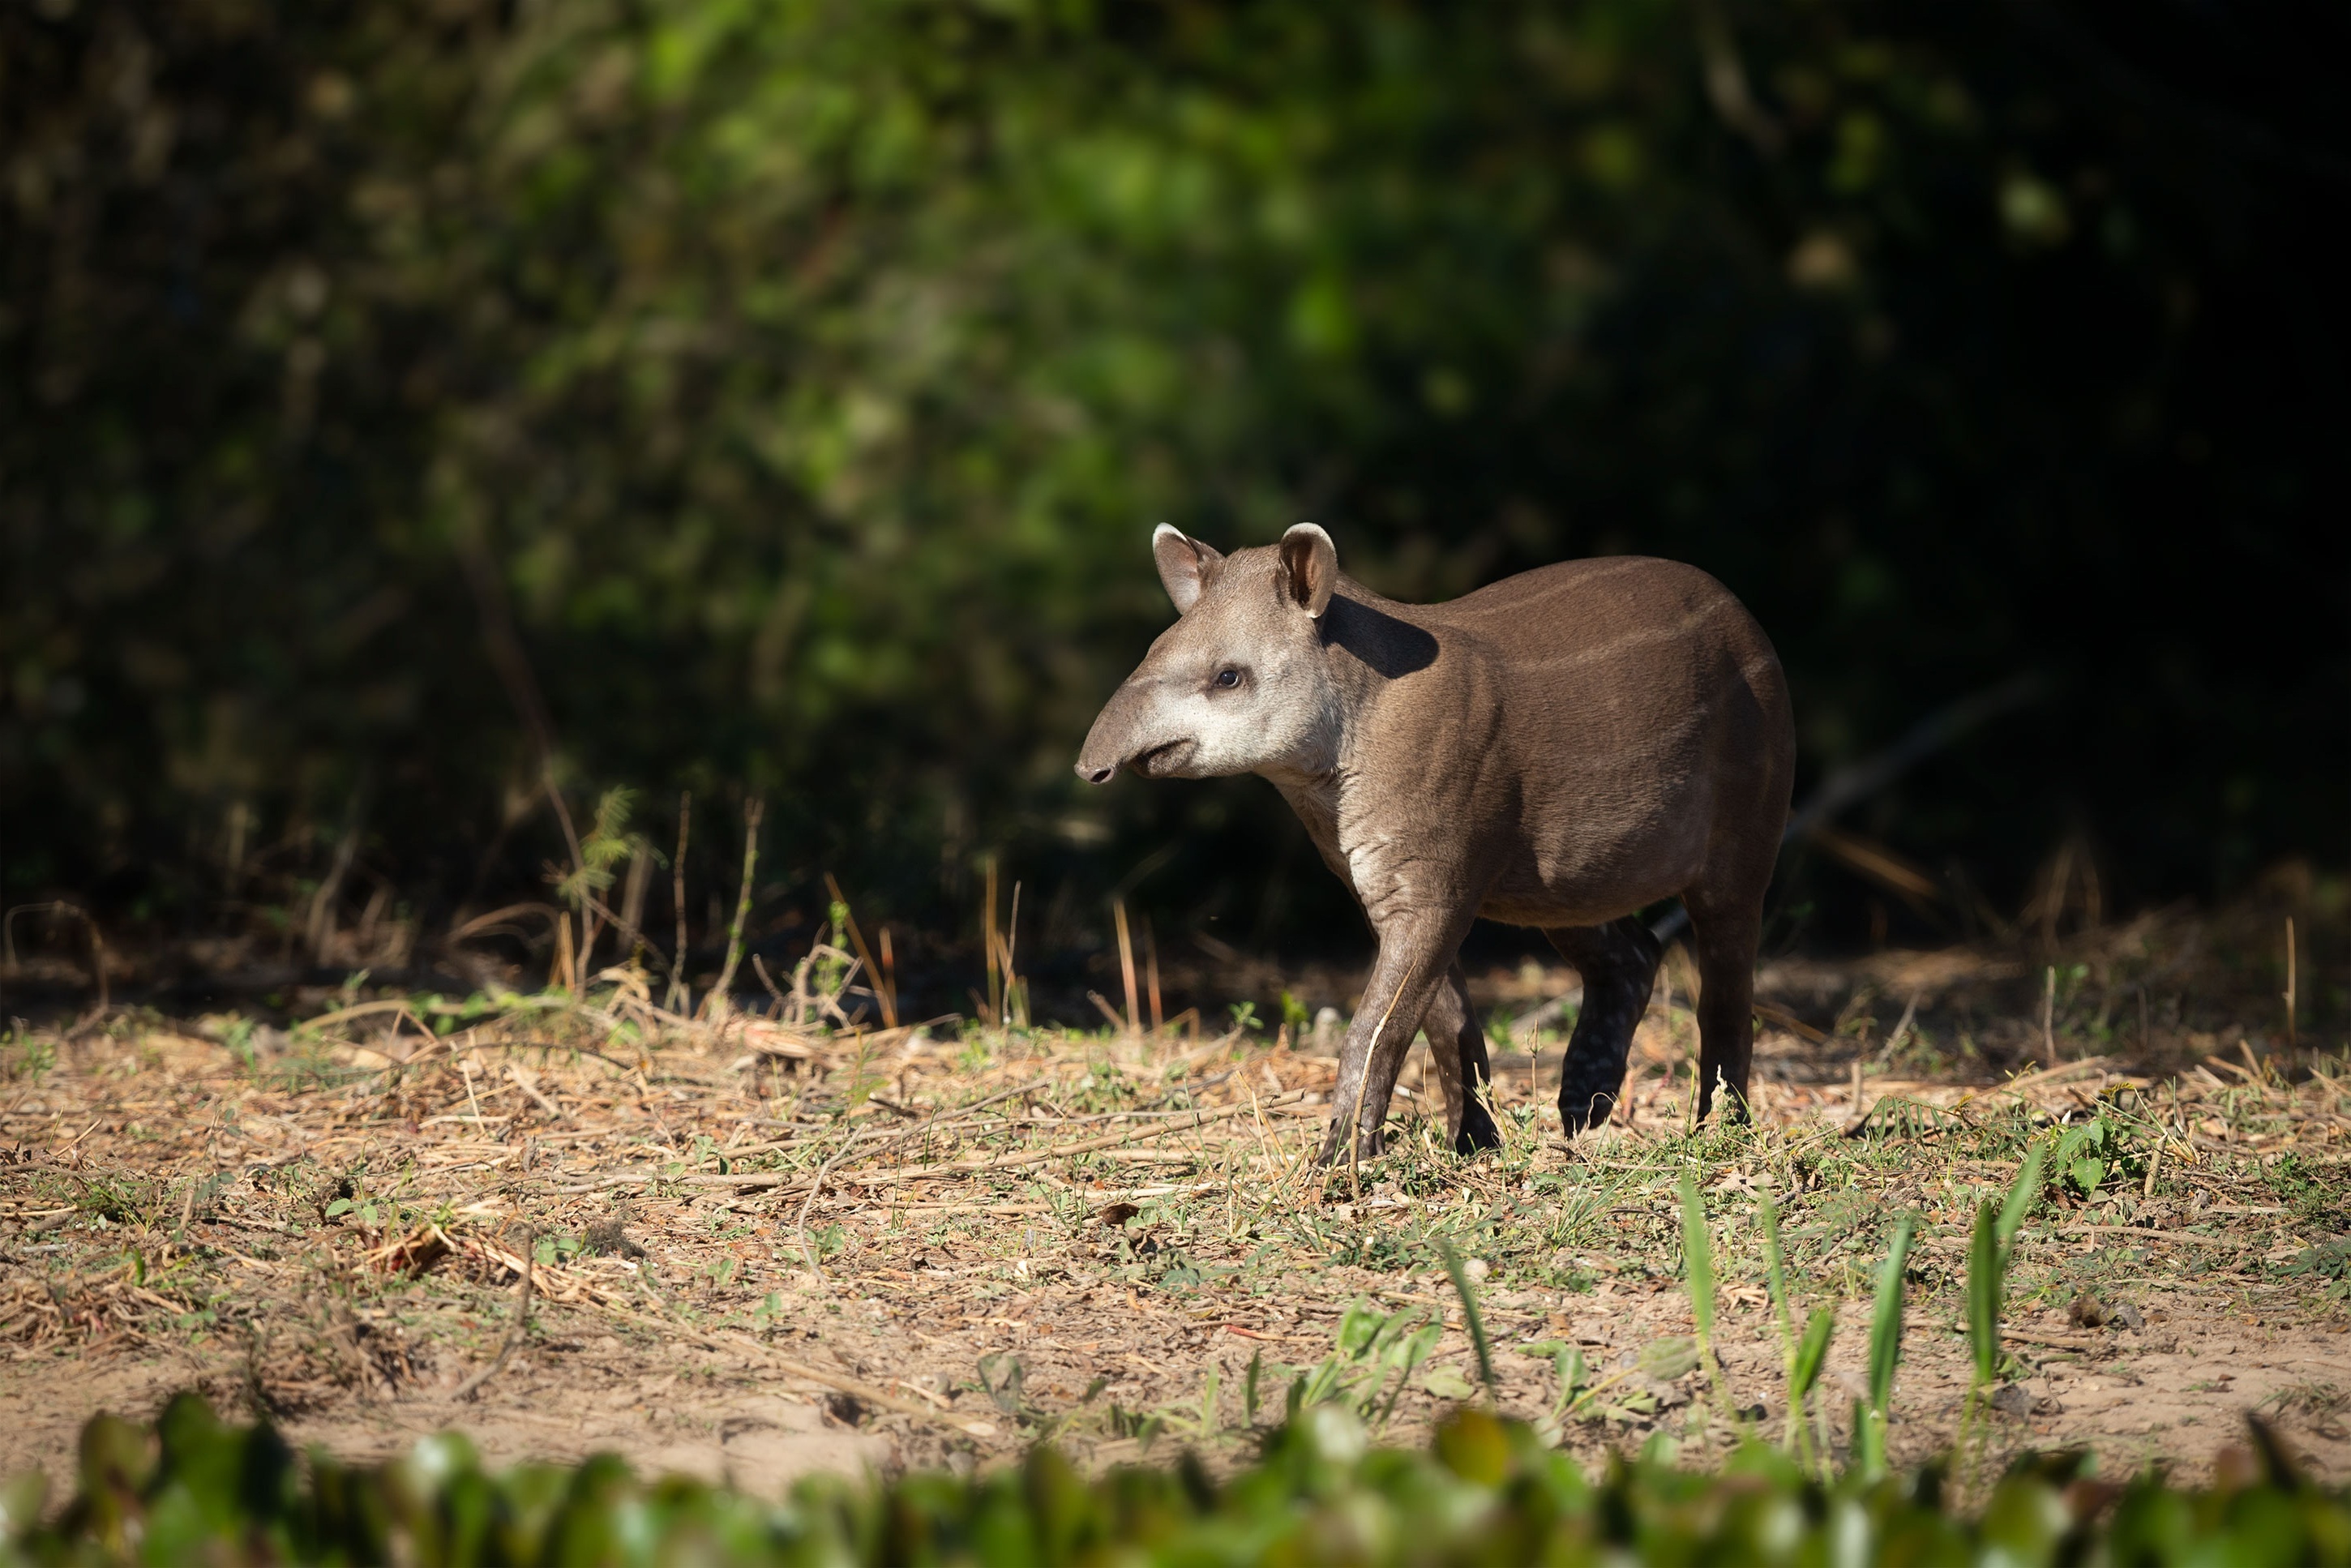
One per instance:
(1618, 962)
(1726, 903)
(1726, 929)
(1457, 1048)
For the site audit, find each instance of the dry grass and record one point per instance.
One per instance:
(761, 1247)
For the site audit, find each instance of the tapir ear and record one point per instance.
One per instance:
(1183, 565)
(1310, 568)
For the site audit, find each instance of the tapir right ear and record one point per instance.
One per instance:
(1184, 565)
(1310, 568)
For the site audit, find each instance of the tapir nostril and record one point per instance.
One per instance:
(1097, 776)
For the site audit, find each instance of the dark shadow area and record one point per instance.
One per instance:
(1386, 646)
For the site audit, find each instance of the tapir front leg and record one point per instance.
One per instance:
(1415, 955)
(1457, 1049)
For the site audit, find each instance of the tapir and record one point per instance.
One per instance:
(1560, 749)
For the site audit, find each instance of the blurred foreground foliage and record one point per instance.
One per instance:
(1488, 1491)
(775, 395)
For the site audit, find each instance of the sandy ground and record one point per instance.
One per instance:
(2173, 1392)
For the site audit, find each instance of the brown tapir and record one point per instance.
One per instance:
(1558, 750)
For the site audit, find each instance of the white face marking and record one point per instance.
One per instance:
(1237, 685)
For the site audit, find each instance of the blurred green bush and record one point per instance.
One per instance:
(1487, 1491)
(776, 395)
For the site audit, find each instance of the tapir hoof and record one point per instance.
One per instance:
(1336, 1151)
(1478, 1133)
(1582, 1112)
(1733, 1104)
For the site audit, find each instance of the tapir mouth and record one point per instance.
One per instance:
(1160, 761)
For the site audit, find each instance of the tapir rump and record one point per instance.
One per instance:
(1559, 749)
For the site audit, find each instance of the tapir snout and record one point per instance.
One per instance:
(1124, 736)
(1111, 741)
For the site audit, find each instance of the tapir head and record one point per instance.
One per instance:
(1238, 684)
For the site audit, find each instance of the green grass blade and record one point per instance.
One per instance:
(1469, 1316)
(1698, 1261)
(1886, 1317)
(1984, 1269)
(1812, 1354)
(1805, 1358)
(1869, 1418)
(2021, 1197)
(1868, 1441)
(1775, 1273)
(1697, 1271)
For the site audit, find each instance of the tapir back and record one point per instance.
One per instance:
(1643, 712)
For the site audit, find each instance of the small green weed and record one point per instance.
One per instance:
(2096, 1151)
(26, 1056)
(1375, 1354)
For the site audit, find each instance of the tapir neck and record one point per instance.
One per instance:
(1368, 645)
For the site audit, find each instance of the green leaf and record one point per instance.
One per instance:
(1485, 1489)
(1567, 1363)
(1886, 1316)
(1445, 1381)
(1697, 1259)
(1477, 1324)
(1811, 1352)
(1668, 1358)
(2023, 1194)
(1775, 1274)
(1359, 1325)
(21, 1497)
(1985, 1266)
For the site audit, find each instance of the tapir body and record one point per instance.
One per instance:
(1559, 749)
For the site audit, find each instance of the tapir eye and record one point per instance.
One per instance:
(1228, 677)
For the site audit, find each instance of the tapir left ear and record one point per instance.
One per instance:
(1310, 568)
(1183, 566)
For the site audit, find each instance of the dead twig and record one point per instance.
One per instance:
(713, 1006)
(680, 995)
(1785, 1020)
(522, 1082)
(799, 1222)
(883, 991)
(514, 1330)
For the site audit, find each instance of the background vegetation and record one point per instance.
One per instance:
(774, 396)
